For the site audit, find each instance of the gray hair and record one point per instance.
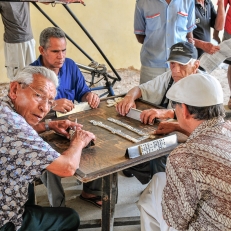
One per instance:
(48, 33)
(26, 75)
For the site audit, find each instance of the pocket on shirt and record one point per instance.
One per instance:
(182, 20)
(153, 22)
(69, 94)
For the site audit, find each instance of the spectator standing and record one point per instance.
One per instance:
(19, 46)
(207, 17)
(159, 24)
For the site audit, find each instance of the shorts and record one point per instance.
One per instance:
(18, 55)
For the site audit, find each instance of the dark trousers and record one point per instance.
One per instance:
(144, 172)
(37, 218)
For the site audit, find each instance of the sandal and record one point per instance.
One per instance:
(92, 200)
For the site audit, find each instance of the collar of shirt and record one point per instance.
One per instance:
(61, 70)
(207, 124)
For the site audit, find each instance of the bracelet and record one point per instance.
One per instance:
(47, 121)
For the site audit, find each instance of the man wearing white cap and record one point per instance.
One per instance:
(195, 191)
(183, 62)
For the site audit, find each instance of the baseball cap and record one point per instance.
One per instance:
(182, 53)
(198, 90)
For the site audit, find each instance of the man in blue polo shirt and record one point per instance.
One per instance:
(72, 84)
(72, 87)
(158, 25)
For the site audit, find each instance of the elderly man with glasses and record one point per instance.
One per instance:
(24, 154)
(194, 193)
(183, 62)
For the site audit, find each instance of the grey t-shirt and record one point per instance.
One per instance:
(16, 20)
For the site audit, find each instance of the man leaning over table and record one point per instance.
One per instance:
(25, 155)
(72, 86)
(183, 62)
(194, 193)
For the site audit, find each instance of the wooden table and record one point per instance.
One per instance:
(107, 157)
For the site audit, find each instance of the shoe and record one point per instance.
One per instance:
(229, 103)
(92, 200)
(127, 173)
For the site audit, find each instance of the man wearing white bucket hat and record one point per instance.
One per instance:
(194, 193)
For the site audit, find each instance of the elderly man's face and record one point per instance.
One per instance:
(54, 55)
(180, 71)
(28, 103)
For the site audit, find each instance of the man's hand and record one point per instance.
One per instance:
(210, 48)
(83, 137)
(63, 126)
(63, 105)
(124, 106)
(147, 116)
(92, 99)
(166, 127)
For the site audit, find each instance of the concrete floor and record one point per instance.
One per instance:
(129, 192)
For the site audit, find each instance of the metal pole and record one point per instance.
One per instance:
(69, 38)
(92, 40)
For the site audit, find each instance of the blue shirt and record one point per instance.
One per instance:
(72, 84)
(23, 156)
(163, 25)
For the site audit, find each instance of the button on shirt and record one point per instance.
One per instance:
(72, 84)
(163, 25)
(23, 156)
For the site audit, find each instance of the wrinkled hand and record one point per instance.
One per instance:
(93, 99)
(124, 106)
(83, 137)
(210, 48)
(63, 105)
(166, 127)
(147, 116)
(63, 126)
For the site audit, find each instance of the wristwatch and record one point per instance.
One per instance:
(47, 121)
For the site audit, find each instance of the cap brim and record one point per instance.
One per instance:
(179, 59)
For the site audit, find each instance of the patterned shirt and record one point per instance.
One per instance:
(197, 195)
(23, 156)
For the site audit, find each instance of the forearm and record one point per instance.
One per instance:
(189, 35)
(40, 127)
(134, 93)
(220, 19)
(67, 163)
(179, 129)
(84, 97)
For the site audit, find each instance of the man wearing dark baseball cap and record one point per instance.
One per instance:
(182, 53)
(182, 63)
(194, 193)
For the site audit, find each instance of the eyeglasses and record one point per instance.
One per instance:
(41, 98)
(173, 104)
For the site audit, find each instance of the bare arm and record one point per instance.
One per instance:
(189, 36)
(140, 38)
(220, 19)
(206, 46)
(67, 163)
(128, 102)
